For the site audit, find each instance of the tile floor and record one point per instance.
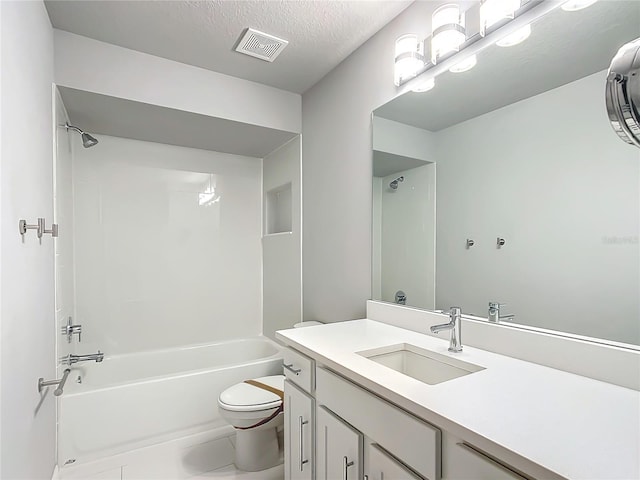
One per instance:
(187, 458)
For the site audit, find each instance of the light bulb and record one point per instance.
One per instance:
(425, 86)
(516, 37)
(493, 11)
(465, 65)
(448, 31)
(573, 5)
(409, 58)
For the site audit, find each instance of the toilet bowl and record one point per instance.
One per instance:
(255, 411)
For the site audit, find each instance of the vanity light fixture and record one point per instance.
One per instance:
(516, 37)
(573, 5)
(465, 65)
(425, 86)
(449, 33)
(409, 57)
(493, 12)
(458, 36)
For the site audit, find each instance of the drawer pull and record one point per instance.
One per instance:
(302, 423)
(295, 371)
(486, 458)
(345, 467)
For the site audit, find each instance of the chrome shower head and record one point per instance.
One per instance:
(87, 140)
(394, 184)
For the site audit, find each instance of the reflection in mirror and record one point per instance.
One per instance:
(524, 152)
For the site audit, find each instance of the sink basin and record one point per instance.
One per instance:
(424, 365)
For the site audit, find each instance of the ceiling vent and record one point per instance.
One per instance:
(261, 45)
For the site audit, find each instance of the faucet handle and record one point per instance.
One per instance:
(497, 305)
(455, 311)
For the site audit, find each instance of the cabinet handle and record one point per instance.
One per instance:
(301, 423)
(345, 466)
(295, 371)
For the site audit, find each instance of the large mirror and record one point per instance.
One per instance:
(506, 184)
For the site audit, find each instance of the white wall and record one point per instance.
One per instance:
(281, 252)
(557, 209)
(99, 67)
(154, 269)
(401, 139)
(27, 419)
(407, 236)
(337, 167)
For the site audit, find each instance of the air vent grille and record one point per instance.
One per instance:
(261, 45)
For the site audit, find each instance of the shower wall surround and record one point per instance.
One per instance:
(63, 215)
(167, 246)
(404, 236)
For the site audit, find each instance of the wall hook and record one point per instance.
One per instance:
(43, 228)
(500, 242)
(23, 226)
(470, 243)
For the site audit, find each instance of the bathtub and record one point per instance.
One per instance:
(137, 400)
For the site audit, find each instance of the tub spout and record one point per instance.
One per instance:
(71, 359)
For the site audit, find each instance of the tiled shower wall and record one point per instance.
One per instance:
(167, 246)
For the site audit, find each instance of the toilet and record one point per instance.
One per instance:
(254, 408)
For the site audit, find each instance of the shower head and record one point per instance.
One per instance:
(87, 140)
(394, 184)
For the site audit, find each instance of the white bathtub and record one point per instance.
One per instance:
(136, 400)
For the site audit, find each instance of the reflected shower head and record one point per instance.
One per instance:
(394, 184)
(87, 140)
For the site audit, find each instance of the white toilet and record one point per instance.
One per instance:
(256, 413)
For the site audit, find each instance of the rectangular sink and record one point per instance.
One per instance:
(424, 365)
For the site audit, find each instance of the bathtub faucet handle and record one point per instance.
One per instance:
(69, 330)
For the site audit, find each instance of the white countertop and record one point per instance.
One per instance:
(570, 425)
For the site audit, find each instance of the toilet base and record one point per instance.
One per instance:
(257, 449)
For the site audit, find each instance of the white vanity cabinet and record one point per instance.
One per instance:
(407, 438)
(299, 416)
(339, 448)
(299, 421)
(380, 465)
(465, 461)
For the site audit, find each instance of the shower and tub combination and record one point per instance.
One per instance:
(168, 287)
(135, 400)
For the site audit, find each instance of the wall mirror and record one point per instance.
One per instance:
(507, 184)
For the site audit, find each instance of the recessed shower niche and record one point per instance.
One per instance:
(278, 208)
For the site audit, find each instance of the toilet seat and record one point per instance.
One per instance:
(244, 397)
(256, 413)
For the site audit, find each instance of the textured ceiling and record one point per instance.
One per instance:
(563, 47)
(321, 33)
(101, 114)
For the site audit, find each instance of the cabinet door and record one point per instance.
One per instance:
(298, 434)
(381, 466)
(339, 448)
(470, 463)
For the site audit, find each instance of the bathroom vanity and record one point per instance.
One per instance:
(367, 400)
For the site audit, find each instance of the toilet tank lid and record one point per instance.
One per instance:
(246, 397)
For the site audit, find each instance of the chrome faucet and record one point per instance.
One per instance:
(71, 359)
(494, 312)
(455, 325)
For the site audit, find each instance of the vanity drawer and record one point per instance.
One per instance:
(471, 463)
(381, 466)
(299, 369)
(408, 438)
